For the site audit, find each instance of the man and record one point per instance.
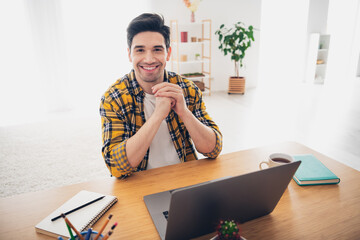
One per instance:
(151, 117)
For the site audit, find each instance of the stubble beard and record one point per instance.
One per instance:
(151, 78)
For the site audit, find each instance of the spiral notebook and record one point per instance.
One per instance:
(82, 219)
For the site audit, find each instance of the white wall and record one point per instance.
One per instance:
(318, 14)
(227, 12)
(344, 42)
(95, 33)
(283, 41)
(358, 67)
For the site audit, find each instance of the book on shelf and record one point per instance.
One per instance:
(82, 219)
(313, 172)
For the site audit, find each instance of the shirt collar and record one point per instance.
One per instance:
(134, 85)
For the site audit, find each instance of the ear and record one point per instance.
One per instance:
(129, 54)
(168, 54)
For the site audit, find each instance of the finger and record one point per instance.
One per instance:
(169, 87)
(165, 85)
(164, 100)
(157, 87)
(174, 95)
(168, 90)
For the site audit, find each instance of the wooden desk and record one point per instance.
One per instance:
(312, 212)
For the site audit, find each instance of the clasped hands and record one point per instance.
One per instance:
(169, 96)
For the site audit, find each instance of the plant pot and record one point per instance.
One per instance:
(236, 85)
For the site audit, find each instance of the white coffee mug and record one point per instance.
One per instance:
(277, 159)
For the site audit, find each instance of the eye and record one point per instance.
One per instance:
(159, 49)
(139, 50)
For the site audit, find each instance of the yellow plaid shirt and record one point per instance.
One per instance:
(122, 115)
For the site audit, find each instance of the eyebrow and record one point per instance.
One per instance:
(142, 46)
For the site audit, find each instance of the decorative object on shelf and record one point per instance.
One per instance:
(236, 41)
(193, 39)
(184, 36)
(192, 19)
(197, 56)
(193, 7)
(183, 58)
(319, 61)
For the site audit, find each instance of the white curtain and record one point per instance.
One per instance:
(58, 56)
(46, 24)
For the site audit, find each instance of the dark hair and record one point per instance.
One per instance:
(148, 22)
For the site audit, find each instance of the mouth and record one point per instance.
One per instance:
(150, 68)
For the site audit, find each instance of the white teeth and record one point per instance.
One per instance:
(149, 68)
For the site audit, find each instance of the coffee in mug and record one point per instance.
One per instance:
(277, 159)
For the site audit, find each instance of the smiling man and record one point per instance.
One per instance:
(151, 117)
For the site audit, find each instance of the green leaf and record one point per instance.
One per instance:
(235, 40)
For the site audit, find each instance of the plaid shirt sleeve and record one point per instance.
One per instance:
(193, 98)
(115, 132)
(200, 113)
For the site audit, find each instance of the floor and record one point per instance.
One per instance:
(65, 148)
(323, 118)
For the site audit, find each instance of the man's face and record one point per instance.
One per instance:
(148, 55)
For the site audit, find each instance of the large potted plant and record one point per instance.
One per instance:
(235, 41)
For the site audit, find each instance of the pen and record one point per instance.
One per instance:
(88, 234)
(72, 226)
(110, 232)
(103, 227)
(75, 209)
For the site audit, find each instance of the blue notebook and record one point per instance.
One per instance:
(313, 172)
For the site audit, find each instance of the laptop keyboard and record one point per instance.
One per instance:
(166, 214)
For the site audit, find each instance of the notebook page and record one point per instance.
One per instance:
(80, 218)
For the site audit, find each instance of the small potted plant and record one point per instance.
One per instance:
(235, 41)
(197, 56)
(228, 230)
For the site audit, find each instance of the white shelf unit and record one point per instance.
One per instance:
(318, 57)
(197, 50)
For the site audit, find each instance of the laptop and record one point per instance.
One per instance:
(196, 210)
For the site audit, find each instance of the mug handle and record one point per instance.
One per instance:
(262, 163)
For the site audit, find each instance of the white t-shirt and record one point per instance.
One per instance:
(162, 150)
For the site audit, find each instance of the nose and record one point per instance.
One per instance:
(149, 57)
